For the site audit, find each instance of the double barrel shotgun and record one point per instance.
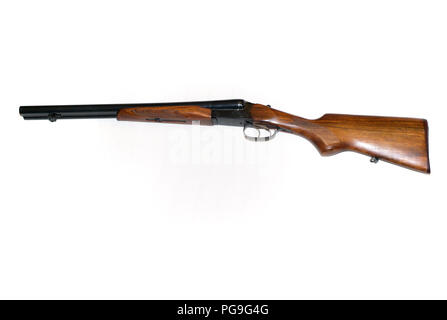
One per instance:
(401, 141)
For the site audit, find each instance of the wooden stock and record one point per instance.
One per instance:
(177, 114)
(402, 141)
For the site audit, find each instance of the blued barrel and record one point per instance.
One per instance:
(56, 112)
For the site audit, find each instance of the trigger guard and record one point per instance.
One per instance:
(259, 138)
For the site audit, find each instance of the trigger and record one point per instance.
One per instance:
(272, 133)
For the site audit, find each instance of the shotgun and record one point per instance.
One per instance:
(401, 141)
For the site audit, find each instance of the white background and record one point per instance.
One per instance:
(107, 209)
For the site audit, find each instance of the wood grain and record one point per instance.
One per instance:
(402, 141)
(177, 114)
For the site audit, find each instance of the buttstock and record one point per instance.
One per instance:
(401, 141)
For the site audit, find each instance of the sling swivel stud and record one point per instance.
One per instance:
(53, 116)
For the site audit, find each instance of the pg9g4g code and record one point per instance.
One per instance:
(245, 309)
